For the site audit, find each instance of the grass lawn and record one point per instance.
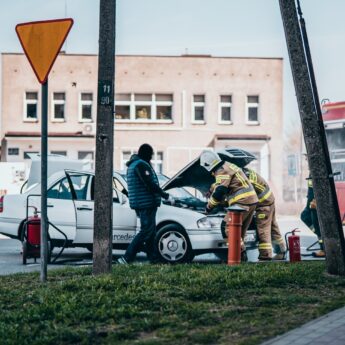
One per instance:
(162, 304)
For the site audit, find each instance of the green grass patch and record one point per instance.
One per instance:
(161, 304)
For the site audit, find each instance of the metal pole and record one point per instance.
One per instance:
(316, 145)
(44, 149)
(103, 217)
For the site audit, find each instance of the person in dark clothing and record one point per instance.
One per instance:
(145, 196)
(309, 218)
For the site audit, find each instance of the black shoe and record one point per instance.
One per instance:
(244, 257)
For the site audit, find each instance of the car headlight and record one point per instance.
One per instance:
(209, 223)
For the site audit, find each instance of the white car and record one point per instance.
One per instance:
(183, 230)
(182, 233)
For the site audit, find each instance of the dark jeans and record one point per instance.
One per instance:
(146, 235)
(309, 217)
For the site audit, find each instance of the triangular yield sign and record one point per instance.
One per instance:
(42, 42)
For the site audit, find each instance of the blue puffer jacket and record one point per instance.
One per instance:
(139, 195)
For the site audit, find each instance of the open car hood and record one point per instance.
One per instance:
(195, 176)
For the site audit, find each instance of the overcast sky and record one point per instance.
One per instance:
(217, 27)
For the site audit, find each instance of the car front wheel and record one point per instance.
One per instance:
(173, 245)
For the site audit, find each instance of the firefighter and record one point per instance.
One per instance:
(266, 223)
(309, 217)
(231, 184)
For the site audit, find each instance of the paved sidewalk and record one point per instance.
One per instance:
(328, 329)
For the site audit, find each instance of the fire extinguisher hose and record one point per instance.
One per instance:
(64, 244)
(287, 244)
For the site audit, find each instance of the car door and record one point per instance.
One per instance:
(124, 219)
(60, 210)
(81, 187)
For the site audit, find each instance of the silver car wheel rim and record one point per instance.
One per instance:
(172, 246)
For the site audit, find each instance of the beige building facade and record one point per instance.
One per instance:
(179, 104)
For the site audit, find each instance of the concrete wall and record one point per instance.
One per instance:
(180, 140)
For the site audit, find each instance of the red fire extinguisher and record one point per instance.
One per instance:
(34, 230)
(294, 246)
(32, 238)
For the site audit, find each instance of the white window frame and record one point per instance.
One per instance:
(198, 104)
(30, 101)
(13, 148)
(125, 103)
(123, 161)
(144, 103)
(164, 104)
(252, 105)
(56, 152)
(81, 103)
(53, 119)
(224, 105)
(153, 103)
(156, 162)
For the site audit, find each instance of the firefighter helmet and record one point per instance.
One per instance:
(209, 160)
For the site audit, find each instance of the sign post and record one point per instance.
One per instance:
(41, 42)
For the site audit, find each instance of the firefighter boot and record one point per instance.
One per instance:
(264, 257)
(319, 254)
(279, 256)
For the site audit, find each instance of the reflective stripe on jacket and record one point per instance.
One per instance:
(261, 187)
(234, 185)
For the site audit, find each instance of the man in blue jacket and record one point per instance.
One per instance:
(145, 196)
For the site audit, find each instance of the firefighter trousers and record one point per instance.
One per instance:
(247, 217)
(268, 232)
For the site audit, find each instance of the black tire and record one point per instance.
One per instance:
(173, 245)
(25, 251)
(222, 255)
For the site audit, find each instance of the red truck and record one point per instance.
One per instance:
(334, 121)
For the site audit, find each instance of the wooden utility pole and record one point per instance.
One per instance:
(103, 217)
(315, 138)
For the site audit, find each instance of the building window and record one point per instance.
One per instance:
(142, 107)
(85, 107)
(225, 109)
(85, 155)
(60, 153)
(13, 151)
(125, 156)
(30, 106)
(58, 107)
(252, 110)
(198, 109)
(27, 153)
(157, 162)
(123, 106)
(163, 105)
